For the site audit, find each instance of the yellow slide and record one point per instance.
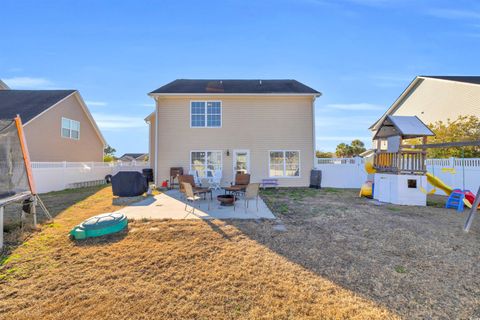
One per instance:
(437, 183)
(367, 188)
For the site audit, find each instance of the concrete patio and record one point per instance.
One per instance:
(171, 205)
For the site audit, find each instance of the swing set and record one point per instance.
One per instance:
(457, 197)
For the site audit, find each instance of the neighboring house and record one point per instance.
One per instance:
(263, 127)
(129, 157)
(434, 98)
(57, 124)
(3, 85)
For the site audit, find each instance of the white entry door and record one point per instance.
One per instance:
(241, 161)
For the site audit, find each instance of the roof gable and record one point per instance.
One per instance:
(217, 86)
(29, 103)
(133, 155)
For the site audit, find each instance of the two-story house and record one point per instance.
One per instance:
(57, 124)
(263, 127)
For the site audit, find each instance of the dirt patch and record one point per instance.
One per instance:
(186, 269)
(416, 261)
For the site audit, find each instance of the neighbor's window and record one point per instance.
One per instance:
(284, 164)
(206, 114)
(204, 161)
(70, 129)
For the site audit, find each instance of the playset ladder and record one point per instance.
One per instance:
(455, 200)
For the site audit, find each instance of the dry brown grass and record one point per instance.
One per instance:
(165, 270)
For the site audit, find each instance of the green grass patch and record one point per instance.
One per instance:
(283, 208)
(400, 269)
(393, 208)
(332, 190)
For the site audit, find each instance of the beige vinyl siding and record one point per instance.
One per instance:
(256, 123)
(45, 142)
(435, 100)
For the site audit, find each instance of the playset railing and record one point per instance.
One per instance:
(404, 162)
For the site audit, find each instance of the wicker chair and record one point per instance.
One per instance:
(197, 190)
(251, 193)
(191, 196)
(241, 182)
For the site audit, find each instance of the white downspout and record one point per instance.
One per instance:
(314, 133)
(156, 143)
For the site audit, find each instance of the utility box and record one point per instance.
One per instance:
(316, 179)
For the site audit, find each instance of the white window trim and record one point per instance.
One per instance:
(61, 129)
(206, 114)
(285, 164)
(206, 164)
(247, 151)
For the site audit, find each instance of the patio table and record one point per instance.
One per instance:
(235, 190)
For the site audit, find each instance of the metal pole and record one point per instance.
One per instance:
(33, 211)
(471, 215)
(1, 227)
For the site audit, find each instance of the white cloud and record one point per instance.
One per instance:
(96, 103)
(28, 83)
(150, 105)
(356, 106)
(118, 122)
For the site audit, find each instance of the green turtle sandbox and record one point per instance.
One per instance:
(100, 225)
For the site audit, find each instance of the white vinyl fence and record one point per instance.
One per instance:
(342, 172)
(350, 172)
(56, 176)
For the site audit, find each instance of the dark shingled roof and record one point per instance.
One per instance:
(133, 155)
(28, 103)
(236, 86)
(467, 79)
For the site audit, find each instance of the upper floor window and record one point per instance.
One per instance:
(70, 129)
(206, 114)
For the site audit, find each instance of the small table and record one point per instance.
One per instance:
(204, 191)
(235, 190)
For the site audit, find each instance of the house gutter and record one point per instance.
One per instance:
(314, 131)
(235, 94)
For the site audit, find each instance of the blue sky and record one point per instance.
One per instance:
(360, 54)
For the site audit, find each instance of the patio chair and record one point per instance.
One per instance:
(205, 183)
(251, 193)
(198, 190)
(194, 174)
(191, 196)
(216, 179)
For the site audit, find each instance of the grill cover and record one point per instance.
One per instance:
(129, 184)
(13, 173)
